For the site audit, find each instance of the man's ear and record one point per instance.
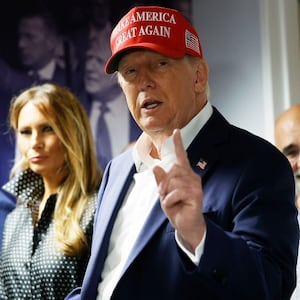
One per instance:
(201, 77)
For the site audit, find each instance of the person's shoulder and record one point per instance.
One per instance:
(124, 156)
(221, 124)
(254, 141)
(120, 166)
(245, 144)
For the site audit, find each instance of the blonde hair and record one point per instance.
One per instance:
(69, 121)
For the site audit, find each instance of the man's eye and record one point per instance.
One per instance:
(162, 63)
(130, 71)
(128, 74)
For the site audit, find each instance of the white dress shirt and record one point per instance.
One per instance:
(117, 120)
(47, 72)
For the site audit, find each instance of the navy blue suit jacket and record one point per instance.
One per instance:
(252, 232)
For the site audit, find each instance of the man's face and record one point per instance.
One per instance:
(35, 43)
(95, 79)
(287, 138)
(162, 93)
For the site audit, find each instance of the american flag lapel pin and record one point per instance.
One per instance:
(201, 164)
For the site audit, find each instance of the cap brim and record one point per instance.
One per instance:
(113, 62)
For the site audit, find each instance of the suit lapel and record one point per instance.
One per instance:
(114, 190)
(105, 216)
(154, 221)
(203, 152)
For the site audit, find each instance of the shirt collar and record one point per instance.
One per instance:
(27, 186)
(141, 150)
(47, 71)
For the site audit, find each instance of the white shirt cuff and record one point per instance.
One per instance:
(194, 257)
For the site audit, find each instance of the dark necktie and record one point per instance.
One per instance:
(34, 75)
(103, 145)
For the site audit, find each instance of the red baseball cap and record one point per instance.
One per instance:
(156, 28)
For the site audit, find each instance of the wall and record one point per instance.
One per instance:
(252, 48)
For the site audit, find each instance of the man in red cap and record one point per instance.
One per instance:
(191, 211)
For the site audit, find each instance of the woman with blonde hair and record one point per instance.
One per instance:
(46, 241)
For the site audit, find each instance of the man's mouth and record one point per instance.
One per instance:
(150, 104)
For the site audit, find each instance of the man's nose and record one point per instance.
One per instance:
(145, 80)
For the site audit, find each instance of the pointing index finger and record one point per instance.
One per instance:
(180, 153)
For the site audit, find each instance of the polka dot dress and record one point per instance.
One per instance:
(31, 267)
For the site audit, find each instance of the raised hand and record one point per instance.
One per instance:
(181, 195)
